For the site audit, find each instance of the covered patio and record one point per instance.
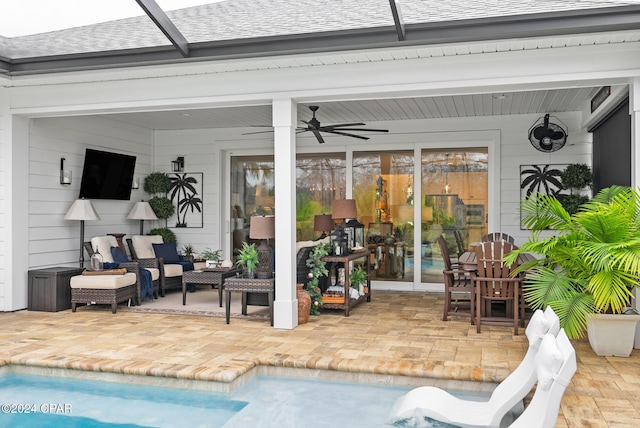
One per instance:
(428, 85)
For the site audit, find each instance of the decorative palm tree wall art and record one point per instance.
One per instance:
(186, 195)
(544, 179)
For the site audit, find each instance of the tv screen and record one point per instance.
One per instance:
(107, 175)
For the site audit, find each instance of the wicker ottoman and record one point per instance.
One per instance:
(103, 289)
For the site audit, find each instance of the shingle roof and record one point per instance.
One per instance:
(247, 19)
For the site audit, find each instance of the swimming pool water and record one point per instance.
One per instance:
(264, 401)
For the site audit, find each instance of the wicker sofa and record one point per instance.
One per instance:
(303, 250)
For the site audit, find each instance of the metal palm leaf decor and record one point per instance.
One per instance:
(186, 195)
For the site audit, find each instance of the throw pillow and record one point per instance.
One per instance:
(167, 251)
(118, 255)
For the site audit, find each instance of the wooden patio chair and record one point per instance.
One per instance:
(498, 236)
(458, 291)
(459, 241)
(493, 282)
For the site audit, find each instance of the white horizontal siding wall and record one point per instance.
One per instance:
(54, 241)
(200, 155)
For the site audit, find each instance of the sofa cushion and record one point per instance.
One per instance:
(143, 245)
(118, 255)
(102, 245)
(171, 271)
(304, 244)
(155, 273)
(167, 252)
(103, 282)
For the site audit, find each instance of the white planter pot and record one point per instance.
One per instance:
(612, 334)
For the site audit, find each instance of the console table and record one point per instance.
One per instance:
(250, 286)
(348, 302)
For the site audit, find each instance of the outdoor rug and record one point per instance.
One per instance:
(202, 302)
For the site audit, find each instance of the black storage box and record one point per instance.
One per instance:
(49, 288)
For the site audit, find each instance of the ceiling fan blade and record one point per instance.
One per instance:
(340, 125)
(318, 136)
(361, 129)
(348, 135)
(257, 132)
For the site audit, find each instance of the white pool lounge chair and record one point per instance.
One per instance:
(555, 366)
(438, 404)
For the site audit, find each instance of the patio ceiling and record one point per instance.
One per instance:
(458, 106)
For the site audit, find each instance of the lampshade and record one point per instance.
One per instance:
(262, 227)
(82, 209)
(344, 208)
(405, 212)
(427, 213)
(322, 223)
(142, 211)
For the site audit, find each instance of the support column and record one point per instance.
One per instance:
(634, 111)
(284, 127)
(14, 238)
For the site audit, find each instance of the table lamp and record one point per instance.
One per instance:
(323, 223)
(264, 228)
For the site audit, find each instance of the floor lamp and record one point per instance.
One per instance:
(82, 209)
(142, 211)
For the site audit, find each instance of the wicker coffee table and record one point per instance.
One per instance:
(213, 277)
(250, 287)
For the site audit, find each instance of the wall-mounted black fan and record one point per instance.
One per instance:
(314, 126)
(547, 136)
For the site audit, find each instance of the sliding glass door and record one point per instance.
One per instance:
(448, 196)
(454, 200)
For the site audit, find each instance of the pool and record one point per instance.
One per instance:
(263, 401)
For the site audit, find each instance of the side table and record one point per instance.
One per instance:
(250, 285)
(216, 277)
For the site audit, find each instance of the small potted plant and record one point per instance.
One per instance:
(188, 252)
(212, 257)
(358, 279)
(248, 259)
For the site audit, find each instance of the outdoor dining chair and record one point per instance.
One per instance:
(458, 293)
(498, 236)
(493, 282)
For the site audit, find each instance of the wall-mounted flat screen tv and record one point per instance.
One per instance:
(107, 175)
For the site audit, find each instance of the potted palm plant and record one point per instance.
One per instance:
(248, 259)
(589, 266)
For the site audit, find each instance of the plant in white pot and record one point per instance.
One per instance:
(212, 257)
(589, 267)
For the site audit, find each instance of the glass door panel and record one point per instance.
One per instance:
(454, 200)
(383, 190)
(252, 193)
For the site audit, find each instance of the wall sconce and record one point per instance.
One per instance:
(65, 174)
(178, 164)
(135, 184)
